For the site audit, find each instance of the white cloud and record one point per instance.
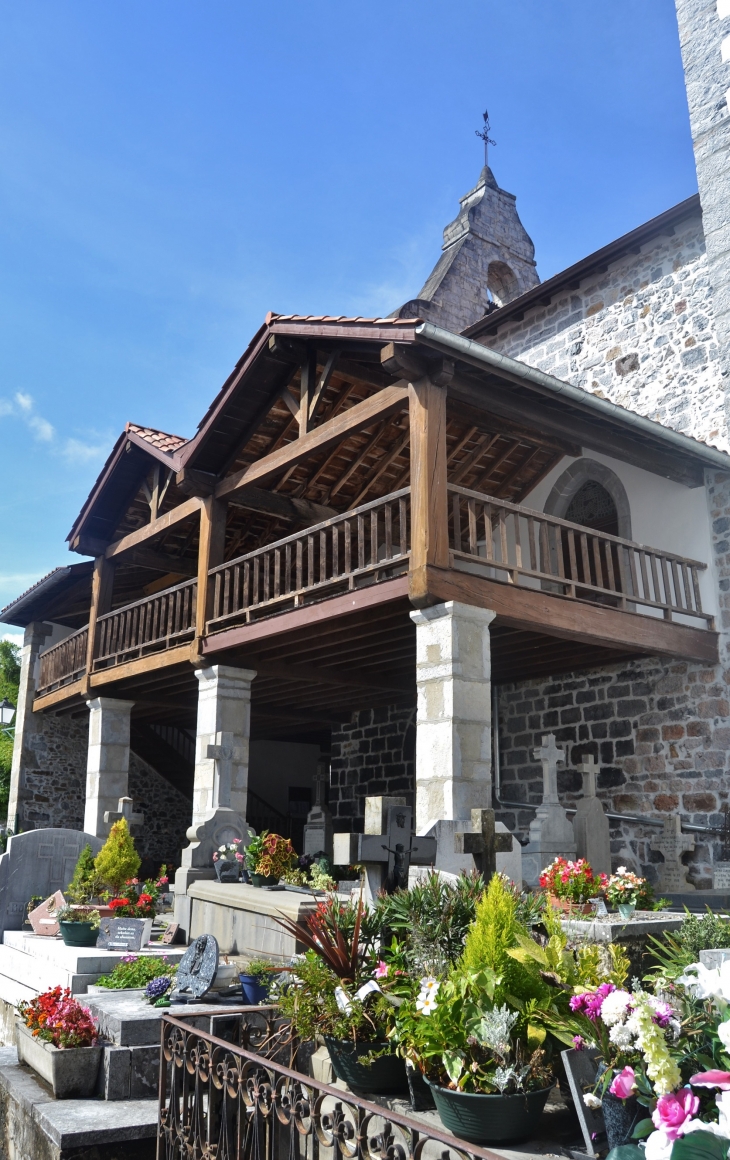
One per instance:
(41, 428)
(74, 451)
(13, 637)
(25, 402)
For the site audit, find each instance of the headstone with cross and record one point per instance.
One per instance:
(38, 863)
(387, 848)
(590, 824)
(485, 842)
(318, 827)
(551, 834)
(673, 844)
(125, 809)
(223, 754)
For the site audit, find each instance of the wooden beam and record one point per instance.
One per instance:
(306, 393)
(555, 615)
(189, 507)
(159, 660)
(193, 482)
(65, 693)
(336, 676)
(362, 415)
(484, 445)
(159, 562)
(102, 586)
(429, 502)
(285, 507)
(323, 383)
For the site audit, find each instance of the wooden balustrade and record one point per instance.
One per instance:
(63, 663)
(525, 547)
(151, 625)
(365, 545)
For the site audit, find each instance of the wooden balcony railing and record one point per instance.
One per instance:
(151, 625)
(64, 662)
(519, 545)
(365, 545)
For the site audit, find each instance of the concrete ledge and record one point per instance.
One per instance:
(239, 896)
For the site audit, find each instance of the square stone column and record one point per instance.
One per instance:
(222, 742)
(107, 767)
(28, 729)
(453, 722)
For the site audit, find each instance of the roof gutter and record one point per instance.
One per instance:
(484, 358)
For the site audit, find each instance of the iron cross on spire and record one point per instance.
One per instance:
(484, 134)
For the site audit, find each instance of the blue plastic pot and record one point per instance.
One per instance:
(253, 991)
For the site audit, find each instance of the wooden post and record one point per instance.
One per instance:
(429, 503)
(102, 586)
(308, 384)
(210, 554)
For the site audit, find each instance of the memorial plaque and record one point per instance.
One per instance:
(580, 1069)
(124, 934)
(721, 876)
(43, 919)
(196, 970)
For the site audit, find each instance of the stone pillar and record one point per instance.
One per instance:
(222, 743)
(107, 768)
(453, 723)
(27, 728)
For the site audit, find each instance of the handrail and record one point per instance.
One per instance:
(657, 823)
(582, 563)
(63, 662)
(155, 622)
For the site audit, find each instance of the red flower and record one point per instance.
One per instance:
(145, 899)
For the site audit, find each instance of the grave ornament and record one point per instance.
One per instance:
(590, 824)
(196, 970)
(387, 848)
(43, 918)
(318, 827)
(551, 834)
(125, 809)
(673, 844)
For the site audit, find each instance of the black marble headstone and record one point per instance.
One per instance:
(197, 969)
(123, 934)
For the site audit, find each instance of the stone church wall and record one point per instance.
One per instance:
(641, 334)
(371, 754)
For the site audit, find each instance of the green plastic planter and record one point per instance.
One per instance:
(264, 880)
(79, 934)
(489, 1119)
(385, 1076)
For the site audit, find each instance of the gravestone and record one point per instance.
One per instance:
(124, 934)
(318, 827)
(673, 844)
(590, 824)
(43, 918)
(39, 863)
(197, 970)
(580, 1068)
(721, 869)
(551, 833)
(387, 848)
(509, 855)
(125, 809)
(485, 842)
(223, 825)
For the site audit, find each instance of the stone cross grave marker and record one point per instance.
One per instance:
(673, 844)
(223, 754)
(318, 827)
(590, 824)
(125, 809)
(551, 833)
(196, 970)
(38, 862)
(387, 854)
(484, 843)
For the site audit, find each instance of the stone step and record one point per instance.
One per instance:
(40, 974)
(78, 960)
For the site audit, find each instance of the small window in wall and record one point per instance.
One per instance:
(593, 507)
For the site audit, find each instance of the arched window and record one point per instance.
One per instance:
(591, 494)
(593, 507)
(501, 283)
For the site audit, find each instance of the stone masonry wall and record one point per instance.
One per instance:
(642, 335)
(53, 790)
(372, 754)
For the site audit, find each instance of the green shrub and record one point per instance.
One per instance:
(84, 883)
(136, 972)
(117, 861)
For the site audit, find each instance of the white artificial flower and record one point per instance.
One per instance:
(632, 1025)
(723, 1034)
(658, 1146)
(706, 984)
(592, 1101)
(614, 1007)
(621, 1035)
(621, 870)
(704, 1126)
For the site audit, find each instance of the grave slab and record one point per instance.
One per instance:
(242, 918)
(632, 935)
(590, 824)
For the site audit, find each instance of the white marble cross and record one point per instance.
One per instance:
(224, 753)
(549, 755)
(588, 768)
(125, 809)
(673, 844)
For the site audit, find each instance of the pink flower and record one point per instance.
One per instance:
(712, 1079)
(381, 970)
(239, 857)
(215, 857)
(662, 1014)
(673, 1111)
(578, 1042)
(623, 1083)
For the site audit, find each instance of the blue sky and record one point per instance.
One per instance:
(171, 171)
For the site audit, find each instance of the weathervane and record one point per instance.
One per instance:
(484, 134)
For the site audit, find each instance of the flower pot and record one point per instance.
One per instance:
(264, 879)
(489, 1119)
(626, 910)
(227, 870)
(70, 1071)
(418, 1089)
(385, 1076)
(254, 991)
(79, 934)
(568, 906)
(620, 1116)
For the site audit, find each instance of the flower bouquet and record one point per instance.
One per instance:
(268, 856)
(228, 861)
(627, 891)
(571, 884)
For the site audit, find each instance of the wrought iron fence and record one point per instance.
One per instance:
(220, 1100)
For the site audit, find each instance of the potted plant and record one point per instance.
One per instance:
(339, 991)
(57, 1037)
(267, 857)
(570, 885)
(79, 925)
(626, 891)
(255, 978)
(228, 860)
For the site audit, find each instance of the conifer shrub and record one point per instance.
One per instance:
(117, 861)
(495, 931)
(85, 881)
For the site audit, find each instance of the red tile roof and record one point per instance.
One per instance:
(159, 439)
(271, 317)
